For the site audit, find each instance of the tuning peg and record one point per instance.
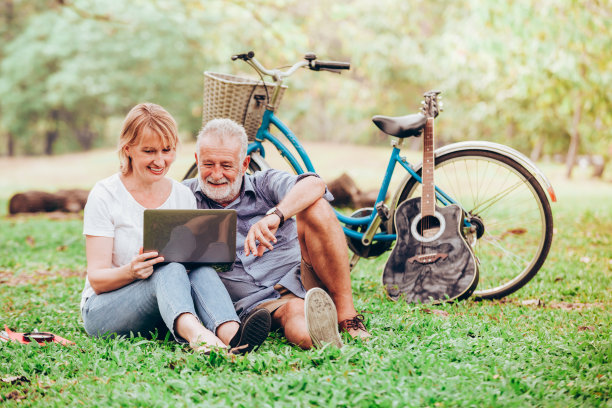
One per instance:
(440, 105)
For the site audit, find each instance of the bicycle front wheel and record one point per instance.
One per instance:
(511, 220)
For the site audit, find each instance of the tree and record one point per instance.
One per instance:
(534, 75)
(13, 17)
(71, 68)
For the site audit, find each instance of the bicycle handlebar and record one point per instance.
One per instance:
(335, 65)
(310, 62)
(245, 56)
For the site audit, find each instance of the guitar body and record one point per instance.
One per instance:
(443, 269)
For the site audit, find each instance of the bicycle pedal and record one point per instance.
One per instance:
(383, 211)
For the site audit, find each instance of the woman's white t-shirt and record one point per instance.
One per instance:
(111, 211)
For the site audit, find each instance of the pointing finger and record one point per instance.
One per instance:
(249, 243)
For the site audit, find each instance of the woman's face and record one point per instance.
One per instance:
(151, 160)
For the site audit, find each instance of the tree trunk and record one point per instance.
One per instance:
(85, 137)
(10, 144)
(599, 165)
(52, 135)
(9, 15)
(536, 152)
(572, 152)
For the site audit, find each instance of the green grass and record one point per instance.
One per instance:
(546, 345)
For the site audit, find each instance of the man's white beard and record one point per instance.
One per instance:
(222, 195)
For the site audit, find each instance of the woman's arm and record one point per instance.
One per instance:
(103, 277)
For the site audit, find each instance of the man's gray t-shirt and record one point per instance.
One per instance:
(251, 280)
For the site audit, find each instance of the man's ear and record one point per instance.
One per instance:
(245, 164)
(196, 156)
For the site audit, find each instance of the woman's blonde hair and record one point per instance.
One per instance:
(145, 116)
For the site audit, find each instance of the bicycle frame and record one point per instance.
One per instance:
(373, 220)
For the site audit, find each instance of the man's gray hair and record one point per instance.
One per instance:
(225, 129)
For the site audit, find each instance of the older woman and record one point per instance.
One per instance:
(125, 292)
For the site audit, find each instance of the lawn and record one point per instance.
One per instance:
(546, 345)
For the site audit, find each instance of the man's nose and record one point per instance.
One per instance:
(217, 172)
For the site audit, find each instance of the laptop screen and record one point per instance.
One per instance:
(191, 236)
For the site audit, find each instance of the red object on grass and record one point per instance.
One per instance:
(18, 337)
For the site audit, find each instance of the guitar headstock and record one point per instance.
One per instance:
(432, 105)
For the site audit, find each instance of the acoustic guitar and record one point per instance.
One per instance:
(431, 262)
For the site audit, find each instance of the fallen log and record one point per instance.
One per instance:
(344, 191)
(41, 201)
(347, 194)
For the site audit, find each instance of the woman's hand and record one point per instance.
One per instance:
(103, 276)
(141, 267)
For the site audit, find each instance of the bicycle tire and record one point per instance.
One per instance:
(258, 163)
(509, 250)
(192, 172)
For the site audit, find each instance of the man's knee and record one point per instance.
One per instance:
(319, 213)
(293, 309)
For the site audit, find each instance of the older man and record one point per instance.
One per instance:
(277, 258)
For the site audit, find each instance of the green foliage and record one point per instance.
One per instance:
(528, 74)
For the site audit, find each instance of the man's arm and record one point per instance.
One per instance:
(301, 196)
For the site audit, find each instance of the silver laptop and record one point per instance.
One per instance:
(191, 237)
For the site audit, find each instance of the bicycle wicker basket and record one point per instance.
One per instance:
(241, 99)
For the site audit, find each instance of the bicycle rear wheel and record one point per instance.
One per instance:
(512, 223)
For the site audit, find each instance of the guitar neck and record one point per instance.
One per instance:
(428, 198)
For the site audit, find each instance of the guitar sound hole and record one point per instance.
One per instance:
(428, 226)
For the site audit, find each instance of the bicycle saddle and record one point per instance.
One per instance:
(401, 126)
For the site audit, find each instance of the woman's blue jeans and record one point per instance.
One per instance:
(144, 305)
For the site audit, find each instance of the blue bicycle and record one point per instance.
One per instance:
(503, 195)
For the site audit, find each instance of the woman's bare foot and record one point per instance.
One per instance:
(206, 348)
(199, 337)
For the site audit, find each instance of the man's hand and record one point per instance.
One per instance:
(263, 232)
(301, 196)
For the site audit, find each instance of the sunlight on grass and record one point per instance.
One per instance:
(546, 345)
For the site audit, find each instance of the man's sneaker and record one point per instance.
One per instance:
(355, 327)
(321, 318)
(253, 331)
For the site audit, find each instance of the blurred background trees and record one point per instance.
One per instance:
(535, 75)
